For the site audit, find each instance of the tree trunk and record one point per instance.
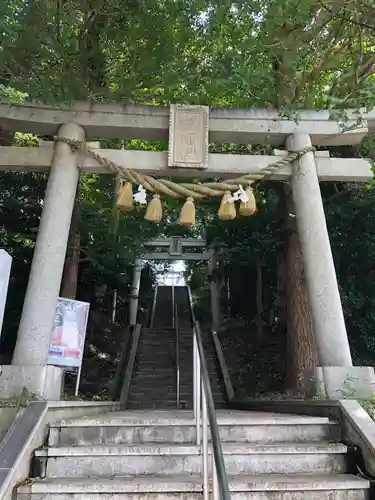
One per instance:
(71, 266)
(302, 354)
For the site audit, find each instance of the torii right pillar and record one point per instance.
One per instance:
(336, 377)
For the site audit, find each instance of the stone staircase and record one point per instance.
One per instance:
(153, 456)
(154, 381)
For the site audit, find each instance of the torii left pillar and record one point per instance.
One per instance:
(29, 367)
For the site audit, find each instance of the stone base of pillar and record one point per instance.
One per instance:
(342, 382)
(45, 381)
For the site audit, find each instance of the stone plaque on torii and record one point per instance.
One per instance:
(188, 136)
(174, 249)
(190, 129)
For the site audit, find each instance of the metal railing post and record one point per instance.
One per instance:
(176, 325)
(205, 446)
(197, 391)
(173, 308)
(203, 395)
(215, 483)
(195, 354)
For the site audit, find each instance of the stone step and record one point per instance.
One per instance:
(157, 381)
(149, 376)
(148, 395)
(185, 336)
(163, 404)
(97, 433)
(161, 343)
(152, 368)
(258, 487)
(171, 330)
(167, 388)
(185, 418)
(143, 386)
(153, 354)
(165, 349)
(166, 364)
(170, 459)
(151, 351)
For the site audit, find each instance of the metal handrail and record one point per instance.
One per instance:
(212, 418)
(223, 366)
(202, 381)
(153, 307)
(177, 330)
(191, 306)
(122, 362)
(129, 370)
(173, 308)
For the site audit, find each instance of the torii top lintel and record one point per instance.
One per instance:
(254, 126)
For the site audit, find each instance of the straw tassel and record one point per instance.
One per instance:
(124, 201)
(227, 210)
(250, 206)
(187, 214)
(154, 212)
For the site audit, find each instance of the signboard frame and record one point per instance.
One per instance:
(68, 336)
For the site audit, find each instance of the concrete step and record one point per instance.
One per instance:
(162, 387)
(171, 459)
(156, 381)
(182, 418)
(164, 395)
(142, 391)
(161, 341)
(163, 404)
(167, 332)
(170, 330)
(186, 434)
(151, 367)
(160, 398)
(179, 426)
(258, 487)
(152, 371)
(152, 353)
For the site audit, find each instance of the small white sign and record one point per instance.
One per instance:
(5, 265)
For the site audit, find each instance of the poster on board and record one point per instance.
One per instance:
(69, 333)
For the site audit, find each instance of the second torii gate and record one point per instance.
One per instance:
(189, 129)
(174, 248)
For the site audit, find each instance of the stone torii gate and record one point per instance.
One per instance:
(189, 129)
(174, 249)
